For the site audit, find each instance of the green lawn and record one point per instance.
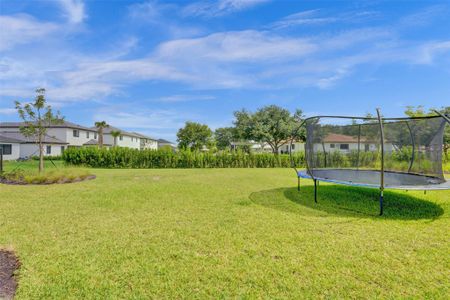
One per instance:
(221, 233)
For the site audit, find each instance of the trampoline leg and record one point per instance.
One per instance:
(315, 190)
(381, 203)
(298, 184)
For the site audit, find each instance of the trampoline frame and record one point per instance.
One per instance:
(381, 121)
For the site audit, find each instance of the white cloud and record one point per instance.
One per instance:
(150, 11)
(151, 119)
(7, 111)
(23, 29)
(248, 45)
(307, 17)
(73, 10)
(219, 7)
(431, 50)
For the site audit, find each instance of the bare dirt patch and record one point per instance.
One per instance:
(8, 265)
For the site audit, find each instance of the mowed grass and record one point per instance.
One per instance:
(223, 233)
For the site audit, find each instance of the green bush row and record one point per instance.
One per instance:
(133, 158)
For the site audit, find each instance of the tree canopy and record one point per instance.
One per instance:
(271, 124)
(37, 117)
(194, 136)
(224, 137)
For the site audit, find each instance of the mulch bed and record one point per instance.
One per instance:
(8, 265)
(14, 182)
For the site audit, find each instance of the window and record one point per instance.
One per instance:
(76, 133)
(344, 146)
(95, 135)
(366, 147)
(49, 150)
(132, 139)
(62, 149)
(332, 145)
(7, 149)
(293, 147)
(87, 134)
(121, 138)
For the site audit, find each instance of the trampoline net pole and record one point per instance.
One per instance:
(380, 121)
(359, 147)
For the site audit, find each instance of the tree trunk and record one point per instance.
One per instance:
(41, 157)
(275, 150)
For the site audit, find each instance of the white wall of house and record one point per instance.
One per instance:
(67, 135)
(296, 147)
(337, 147)
(351, 147)
(15, 151)
(29, 150)
(126, 141)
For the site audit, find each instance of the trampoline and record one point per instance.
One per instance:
(374, 152)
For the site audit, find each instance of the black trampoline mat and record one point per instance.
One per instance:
(371, 178)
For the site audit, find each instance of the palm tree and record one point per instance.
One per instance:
(115, 134)
(100, 126)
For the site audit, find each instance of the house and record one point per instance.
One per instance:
(71, 134)
(125, 139)
(162, 143)
(67, 134)
(15, 145)
(252, 145)
(347, 143)
(297, 146)
(147, 142)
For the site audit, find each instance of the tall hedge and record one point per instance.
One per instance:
(132, 158)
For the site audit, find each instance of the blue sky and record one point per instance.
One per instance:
(150, 66)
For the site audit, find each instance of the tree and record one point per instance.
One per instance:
(37, 117)
(224, 136)
(419, 111)
(115, 134)
(194, 136)
(100, 126)
(271, 124)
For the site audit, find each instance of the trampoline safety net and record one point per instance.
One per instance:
(349, 149)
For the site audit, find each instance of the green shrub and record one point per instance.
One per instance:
(133, 158)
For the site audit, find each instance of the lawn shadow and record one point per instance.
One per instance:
(348, 201)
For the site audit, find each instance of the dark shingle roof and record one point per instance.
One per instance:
(164, 141)
(17, 137)
(65, 124)
(108, 130)
(144, 136)
(94, 143)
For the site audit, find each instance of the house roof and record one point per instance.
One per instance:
(342, 138)
(144, 136)
(109, 129)
(163, 141)
(64, 124)
(94, 143)
(17, 137)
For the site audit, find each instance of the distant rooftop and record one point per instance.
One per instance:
(17, 137)
(95, 143)
(144, 136)
(64, 124)
(163, 141)
(109, 129)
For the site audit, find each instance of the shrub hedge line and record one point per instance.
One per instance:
(133, 158)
